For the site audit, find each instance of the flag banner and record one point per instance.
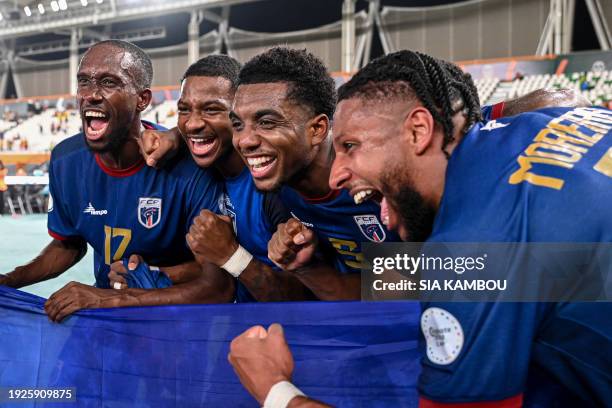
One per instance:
(348, 354)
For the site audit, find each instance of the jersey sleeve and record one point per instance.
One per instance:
(59, 222)
(204, 192)
(492, 112)
(275, 211)
(477, 353)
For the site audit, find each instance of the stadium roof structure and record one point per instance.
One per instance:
(27, 17)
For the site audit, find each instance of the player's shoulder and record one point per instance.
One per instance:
(151, 125)
(546, 115)
(524, 124)
(70, 147)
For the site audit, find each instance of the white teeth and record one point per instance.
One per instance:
(360, 196)
(94, 114)
(202, 139)
(258, 161)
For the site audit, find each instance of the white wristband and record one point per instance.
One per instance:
(237, 262)
(281, 394)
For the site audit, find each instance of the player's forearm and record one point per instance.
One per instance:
(305, 402)
(184, 272)
(268, 285)
(54, 259)
(329, 284)
(197, 291)
(544, 98)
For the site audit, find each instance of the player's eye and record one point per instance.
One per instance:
(83, 82)
(236, 124)
(213, 111)
(348, 146)
(182, 110)
(108, 82)
(266, 124)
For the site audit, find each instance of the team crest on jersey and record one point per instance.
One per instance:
(227, 208)
(149, 211)
(370, 227)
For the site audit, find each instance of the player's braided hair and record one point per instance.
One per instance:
(438, 84)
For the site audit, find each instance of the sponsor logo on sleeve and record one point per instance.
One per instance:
(90, 209)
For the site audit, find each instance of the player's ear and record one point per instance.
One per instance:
(419, 128)
(319, 128)
(144, 99)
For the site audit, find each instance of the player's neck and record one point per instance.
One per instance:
(231, 165)
(128, 155)
(435, 166)
(314, 181)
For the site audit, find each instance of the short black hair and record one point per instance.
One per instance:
(309, 81)
(217, 65)
(144, 72)
(436, 83)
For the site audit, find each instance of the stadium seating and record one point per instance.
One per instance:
(45, 130)
(486, 86)
(595, 86)
(165, 111)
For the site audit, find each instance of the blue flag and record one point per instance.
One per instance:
(348, 354)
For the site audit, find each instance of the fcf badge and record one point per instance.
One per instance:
(149, 211)
(370, 227)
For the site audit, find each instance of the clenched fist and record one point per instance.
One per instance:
(292, 246)
(157, 147)
(211, 238)
(261, 358)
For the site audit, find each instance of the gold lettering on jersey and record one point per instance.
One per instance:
(604, 165)
(562, 143)
(348, 249)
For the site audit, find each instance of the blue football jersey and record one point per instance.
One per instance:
(543, 176)
(139, 210)
(340, 224)
(256, 215)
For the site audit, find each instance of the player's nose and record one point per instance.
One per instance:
(247, 140)
(91, 94)
(194, 124)
(339, 175)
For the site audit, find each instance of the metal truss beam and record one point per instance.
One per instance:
(119, 12)
(64, 45)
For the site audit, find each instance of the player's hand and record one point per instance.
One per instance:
(118, 272)
(211, 238)
(157, 147)
(261, 358)
(4, 279)
(292, 246)
(72, 297)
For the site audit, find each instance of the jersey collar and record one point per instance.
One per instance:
(130, 171)
(324, 199)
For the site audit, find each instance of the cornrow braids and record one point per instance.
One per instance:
(437, 84)
(469, 93)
